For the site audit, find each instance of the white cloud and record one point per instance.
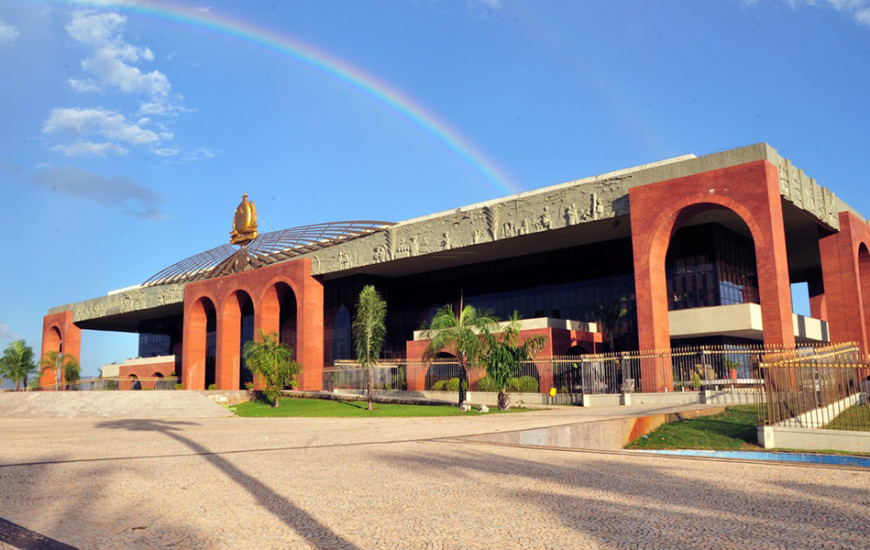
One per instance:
(100, 122)
(88, 148)
(8, 33)
(114, 192)
(6, 332)
(112, 63)
(859, 10)
(88, 85)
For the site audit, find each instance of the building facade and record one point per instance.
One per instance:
(694, 250)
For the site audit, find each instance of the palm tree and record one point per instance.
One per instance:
(369, 331)
(68, 365)
(461, 333)
(504, 353)
(273, 361)
(17, 363)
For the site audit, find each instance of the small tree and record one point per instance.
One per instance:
(461, 333)
(68, 365)
(504, 354)
(268, 357)
(369, 331)
(17, 364)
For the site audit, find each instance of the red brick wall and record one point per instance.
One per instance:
(557, 342)
(144, 371)
(752, 192)
(57, 328)
(846, 276)
(259, 285)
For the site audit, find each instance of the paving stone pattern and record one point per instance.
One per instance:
(398, 483)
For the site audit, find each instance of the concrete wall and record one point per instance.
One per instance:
(771, 437)
(609, 435)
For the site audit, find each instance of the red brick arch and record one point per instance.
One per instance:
(228, 345)
(751, 191)
(846, 280)
(194, 338)
(262, 287)
(61, 335)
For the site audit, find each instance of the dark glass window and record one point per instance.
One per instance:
(710, 265)
(569, 283)
(246, 335)
(158, 337)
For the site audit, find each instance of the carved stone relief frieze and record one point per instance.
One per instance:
(805, 193)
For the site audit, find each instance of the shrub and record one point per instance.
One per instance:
(212, 386)
(179, 386)
(487, 384)
(452, 384)
(439, 385)
(523, 384)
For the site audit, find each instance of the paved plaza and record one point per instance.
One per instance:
(398, 483)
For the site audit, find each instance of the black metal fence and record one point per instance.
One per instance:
(348, 375)
(826, 387)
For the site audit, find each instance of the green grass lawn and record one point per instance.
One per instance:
(291, 406)
(855, 418)
(734, 429)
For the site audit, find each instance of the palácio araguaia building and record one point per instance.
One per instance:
(703, 250)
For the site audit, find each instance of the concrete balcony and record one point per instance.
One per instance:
(739, 320)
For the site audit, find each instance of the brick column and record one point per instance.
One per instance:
(309, 330)
(846, 276)
(193, 350)
(228, 341)
(61, 335)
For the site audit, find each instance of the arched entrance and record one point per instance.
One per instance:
(235, 328)
(711, 261)
(751, 192)
(200, 345)
(864, 281)
(135, 384)
(52, 342)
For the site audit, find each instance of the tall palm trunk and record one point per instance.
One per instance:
(462, 382)
(370, 385)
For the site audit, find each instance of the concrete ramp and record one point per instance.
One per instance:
(109, 404)
(606, 435)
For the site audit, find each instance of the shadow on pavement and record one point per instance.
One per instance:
(24, 539)
(299, 520)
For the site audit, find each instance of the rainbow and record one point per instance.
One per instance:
(323, 61)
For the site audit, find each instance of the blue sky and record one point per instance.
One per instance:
(131, 129)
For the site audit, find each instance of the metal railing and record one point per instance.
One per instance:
(113, 383)
(348, 375)
(827, 388)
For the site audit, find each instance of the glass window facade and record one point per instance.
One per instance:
(707, 265)
(569, 284)
(158, 337)
(710, 265)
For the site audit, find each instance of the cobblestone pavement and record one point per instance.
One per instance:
(394, 483)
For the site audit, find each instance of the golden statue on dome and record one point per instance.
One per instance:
(244, 223)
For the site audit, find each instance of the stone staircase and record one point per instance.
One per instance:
(109, 404)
